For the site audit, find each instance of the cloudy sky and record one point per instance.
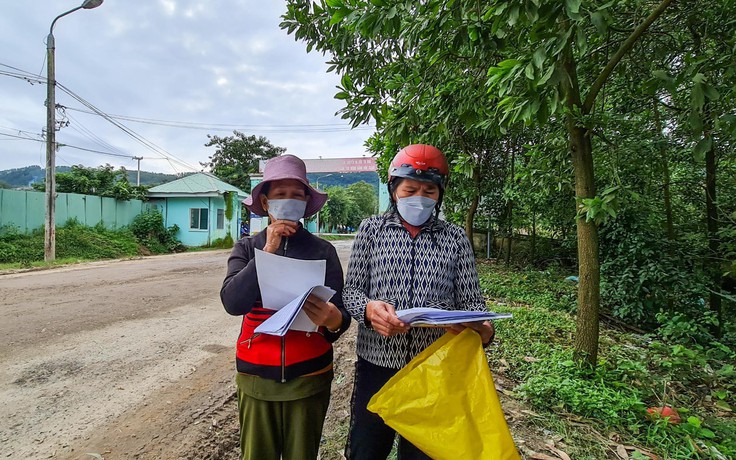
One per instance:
(169, 72)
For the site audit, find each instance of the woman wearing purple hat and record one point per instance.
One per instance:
(283, 382)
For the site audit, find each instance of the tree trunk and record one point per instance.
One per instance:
(470, 215)
(666, 176)
(586, 336)
(666, 191)
(713, 261)
(534, 237)
(510, 210)
(586, 339)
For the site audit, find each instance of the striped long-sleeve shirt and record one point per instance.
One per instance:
(435, 269)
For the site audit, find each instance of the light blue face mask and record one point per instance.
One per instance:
(287, 209)
(415, 210)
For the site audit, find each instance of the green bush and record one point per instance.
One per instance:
(559, 383)
(634, 372)
(643, 274)
(222, 243)
(75, 240)
(148, 228)
(16, 247)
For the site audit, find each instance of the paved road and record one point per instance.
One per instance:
(81, 345)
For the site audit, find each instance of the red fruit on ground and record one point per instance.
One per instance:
(665, 412)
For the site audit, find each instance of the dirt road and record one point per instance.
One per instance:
(125, 359)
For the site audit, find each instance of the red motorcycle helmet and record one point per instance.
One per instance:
(420, 162)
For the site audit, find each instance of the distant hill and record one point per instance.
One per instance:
(24, 177)
(341, 179)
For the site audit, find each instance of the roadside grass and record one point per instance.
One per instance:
(335, 237)
(74, 243)
(58, 262)
(598, 412)
(77, 243)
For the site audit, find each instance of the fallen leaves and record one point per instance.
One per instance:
(623, 452)
(552, 447)
(560, 453)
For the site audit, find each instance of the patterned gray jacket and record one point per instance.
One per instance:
(435, 269)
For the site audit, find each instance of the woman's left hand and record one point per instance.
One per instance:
(484, 328)
(323, 313)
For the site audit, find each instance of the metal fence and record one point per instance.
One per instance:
(25, 210)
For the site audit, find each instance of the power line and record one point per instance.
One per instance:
(80, 128)
(172, 159)
(266, 128)
(307, 128)
(17, 137)
(143, 141)
(77, 147)
(26, 133)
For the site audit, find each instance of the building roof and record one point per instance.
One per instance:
(199, 184)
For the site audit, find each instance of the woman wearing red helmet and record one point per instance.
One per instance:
(405, 258)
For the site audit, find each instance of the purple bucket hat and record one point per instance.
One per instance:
(285, 167)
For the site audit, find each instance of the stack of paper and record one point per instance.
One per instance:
(283, 319)
(283, 280)
(436, 316)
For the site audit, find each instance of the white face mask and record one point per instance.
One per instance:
(287, 209)
(415, 210)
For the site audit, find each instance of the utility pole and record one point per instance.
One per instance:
(49, 243)
(138, 180)
(49, 246)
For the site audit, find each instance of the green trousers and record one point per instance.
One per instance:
(288, 430)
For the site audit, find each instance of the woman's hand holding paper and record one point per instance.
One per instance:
(322, 313)
(383, 318)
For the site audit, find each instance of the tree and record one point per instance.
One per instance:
(236, 157)
(103, 181)
(363, 195)
(545, 62)
(553, 77)
(348, 206)
(335, 213)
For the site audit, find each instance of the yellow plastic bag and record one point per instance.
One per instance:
(444, 402)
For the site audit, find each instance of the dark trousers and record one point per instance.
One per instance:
(369, 437)
(287, 430)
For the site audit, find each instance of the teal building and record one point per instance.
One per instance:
(203, 207)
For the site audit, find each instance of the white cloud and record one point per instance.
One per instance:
(182, 61)
(169, 6)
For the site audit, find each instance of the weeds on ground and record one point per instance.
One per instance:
(74, 243)
(327, 237)
(221, 243)
(551, 288)
(634, 373)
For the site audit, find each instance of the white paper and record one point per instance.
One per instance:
(288, 317)
(283, 280)
(436, 316)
